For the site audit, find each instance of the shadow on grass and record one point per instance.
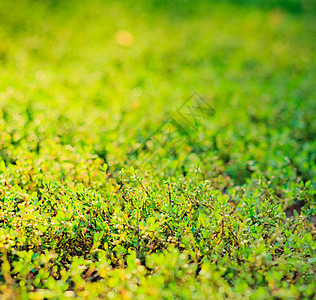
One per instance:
(187, 7)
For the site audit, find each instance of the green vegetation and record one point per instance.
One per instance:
(92, 206)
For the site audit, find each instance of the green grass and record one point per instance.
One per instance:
(91, 205)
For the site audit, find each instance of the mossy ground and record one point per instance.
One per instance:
(99, 200)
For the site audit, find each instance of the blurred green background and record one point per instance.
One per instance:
(101, 76)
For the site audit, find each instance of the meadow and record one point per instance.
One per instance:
(157, 149)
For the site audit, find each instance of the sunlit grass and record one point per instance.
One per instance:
(92, 205)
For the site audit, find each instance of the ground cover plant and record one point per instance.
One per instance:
(157, 150)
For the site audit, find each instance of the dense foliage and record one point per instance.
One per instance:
(106, 191)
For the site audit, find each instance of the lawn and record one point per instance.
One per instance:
(157, 149)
